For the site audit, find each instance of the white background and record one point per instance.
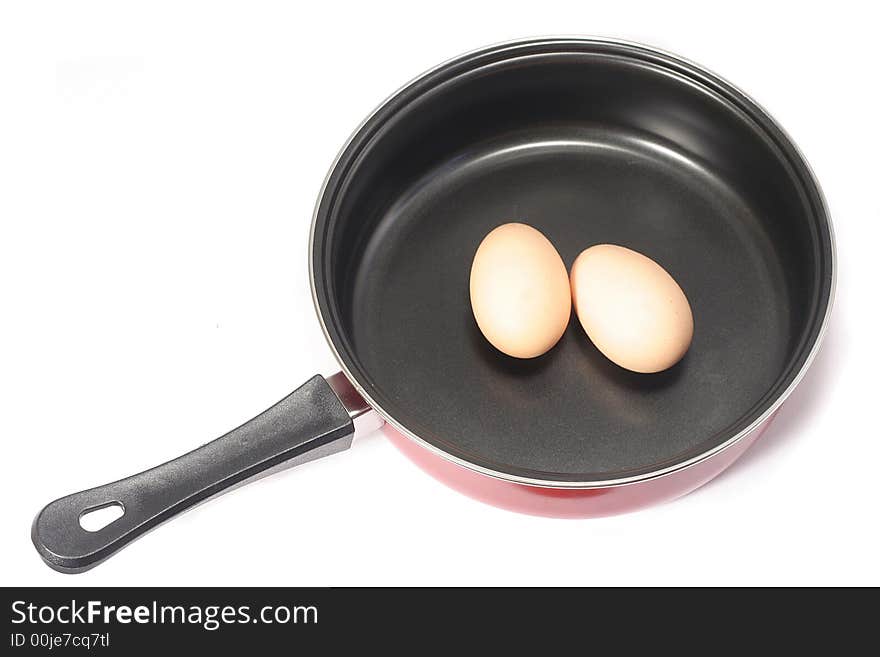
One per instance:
(158, 167)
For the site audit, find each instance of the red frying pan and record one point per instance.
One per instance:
(590, 141)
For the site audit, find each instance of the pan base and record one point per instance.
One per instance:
(570, 413)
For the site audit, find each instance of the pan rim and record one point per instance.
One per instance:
(592, 484)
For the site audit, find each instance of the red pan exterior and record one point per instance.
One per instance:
(569, 502)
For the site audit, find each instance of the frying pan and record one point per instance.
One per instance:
(590, 141)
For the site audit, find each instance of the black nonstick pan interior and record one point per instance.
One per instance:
(590, 143)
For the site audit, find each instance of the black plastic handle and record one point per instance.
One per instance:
(309, 423)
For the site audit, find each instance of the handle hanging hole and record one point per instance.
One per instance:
(98, 517)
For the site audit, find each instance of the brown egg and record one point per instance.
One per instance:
(631, 308)
(519, 291)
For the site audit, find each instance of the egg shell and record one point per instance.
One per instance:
(631, 308)
(519, 291)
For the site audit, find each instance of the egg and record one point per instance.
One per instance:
(519, 291)
(631, 308)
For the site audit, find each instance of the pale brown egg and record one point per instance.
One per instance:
(519, 291)
(631, 308)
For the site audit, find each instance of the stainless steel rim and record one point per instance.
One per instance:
(624, 481)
